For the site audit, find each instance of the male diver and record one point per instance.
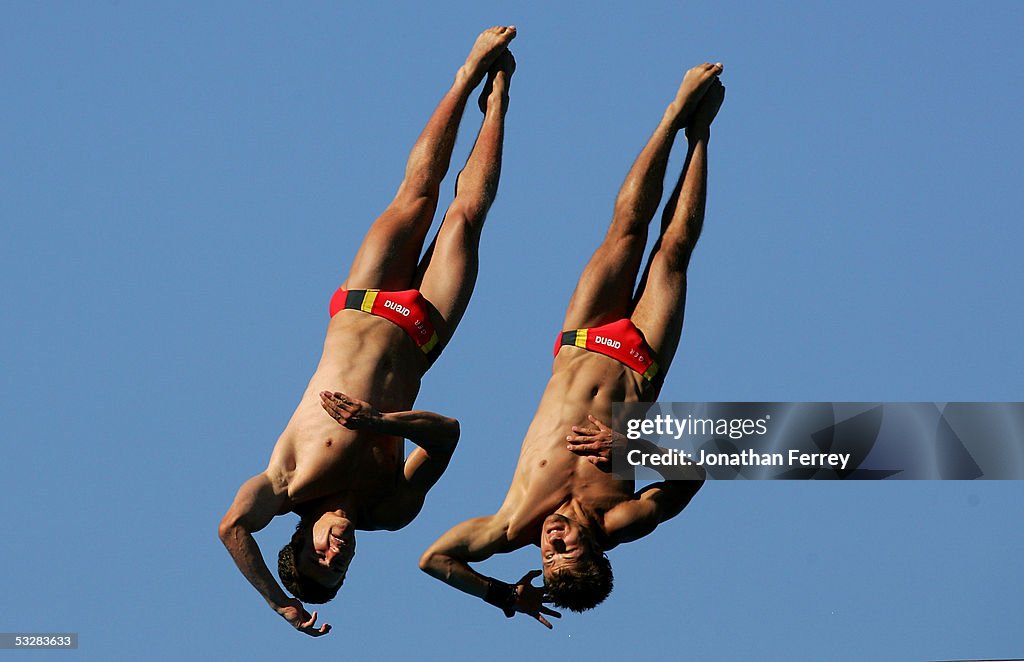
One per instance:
(389, 321)
(616, 348)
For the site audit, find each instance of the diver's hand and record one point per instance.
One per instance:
(530, 599)
(293, 612)
(350, 412)
(596, 443)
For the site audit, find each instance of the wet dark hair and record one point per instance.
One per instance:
(303, 588)
(583, 586)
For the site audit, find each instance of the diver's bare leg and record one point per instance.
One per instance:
(388, 255)
(659, 309)
(604, 292)
(449, 268)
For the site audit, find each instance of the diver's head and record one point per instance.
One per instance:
(313, 564)
(577, 574)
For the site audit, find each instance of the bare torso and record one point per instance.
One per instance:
(549, 478)
(368, 358)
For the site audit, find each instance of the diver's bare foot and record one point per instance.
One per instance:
(695, 84)
(498, 79)
(704, 114)
(489, 45)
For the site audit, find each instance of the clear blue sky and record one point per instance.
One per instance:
(184, 185)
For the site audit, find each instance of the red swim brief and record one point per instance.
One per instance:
(621, 341)
(406, 308)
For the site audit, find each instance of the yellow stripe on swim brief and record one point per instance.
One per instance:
(368, 299)
(429, 345)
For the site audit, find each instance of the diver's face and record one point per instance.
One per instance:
(563, 542)
(326, 557)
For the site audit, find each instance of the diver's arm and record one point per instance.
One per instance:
(475, 540)
(254, 506)
(449, 557)
(652, 505)
(434, 433)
